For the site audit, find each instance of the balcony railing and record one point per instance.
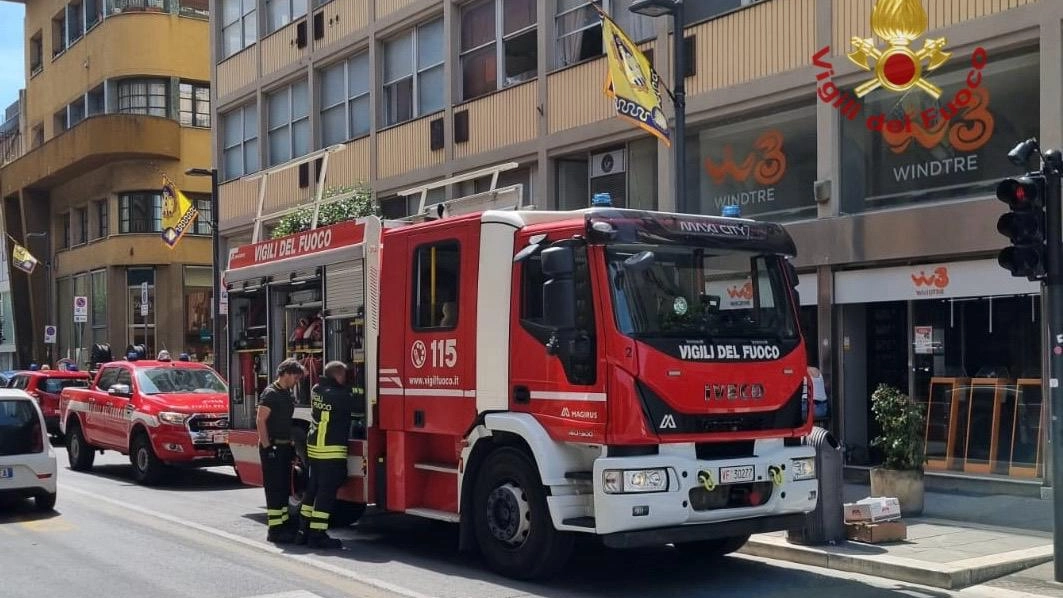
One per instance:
(115, 7)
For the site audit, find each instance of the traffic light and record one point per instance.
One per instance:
(1025, 225)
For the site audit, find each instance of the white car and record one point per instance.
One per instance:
(27, 461)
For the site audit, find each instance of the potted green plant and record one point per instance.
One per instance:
(901, 474)
(355, 201)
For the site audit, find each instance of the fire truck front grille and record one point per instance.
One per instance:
(730, 496)
(207, 423)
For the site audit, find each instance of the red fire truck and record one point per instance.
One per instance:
(533, 375)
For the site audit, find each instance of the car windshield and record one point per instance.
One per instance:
(691, 292)
(20, 430)
(165, 380)
(56, 385)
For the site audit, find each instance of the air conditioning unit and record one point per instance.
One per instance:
(608, 163)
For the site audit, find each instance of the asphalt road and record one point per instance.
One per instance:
(201, 535)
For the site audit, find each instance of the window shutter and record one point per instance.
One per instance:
(345, 291)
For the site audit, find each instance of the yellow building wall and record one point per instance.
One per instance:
(122, 45)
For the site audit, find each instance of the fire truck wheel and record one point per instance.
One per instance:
(79, 452)
(710, 549)
(346, 513)
(513, 527)
(147, 468)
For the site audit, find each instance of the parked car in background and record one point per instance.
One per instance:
(46, 386)
(27, 461)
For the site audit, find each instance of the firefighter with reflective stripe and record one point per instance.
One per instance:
(274, 423)
(332, 403)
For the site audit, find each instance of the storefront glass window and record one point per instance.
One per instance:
(65, 325)
(141, 328)
(198, 291)
(765, 165)
(977, 370)
(98, 305)
(937, 149)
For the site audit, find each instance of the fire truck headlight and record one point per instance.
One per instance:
(170, 417)
(630, 481)
(804, 468)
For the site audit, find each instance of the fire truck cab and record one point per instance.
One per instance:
(533, 375)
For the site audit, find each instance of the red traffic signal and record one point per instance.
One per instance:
(1022, 193)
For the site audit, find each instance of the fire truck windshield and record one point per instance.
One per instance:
(670, 291)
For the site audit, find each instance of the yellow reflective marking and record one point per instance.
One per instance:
(54, 524)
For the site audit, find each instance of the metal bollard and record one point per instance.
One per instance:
(825, 524)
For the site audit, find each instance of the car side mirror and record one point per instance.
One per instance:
(119, 390)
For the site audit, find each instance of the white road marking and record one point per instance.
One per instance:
(260, 546)
(295, 594)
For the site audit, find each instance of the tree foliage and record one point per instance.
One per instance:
(902, 423)
(357, 202)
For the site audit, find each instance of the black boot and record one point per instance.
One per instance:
(280, 534)
(321, 539)
(303, 534)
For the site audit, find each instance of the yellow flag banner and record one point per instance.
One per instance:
(22, 259)
(178, 213)
(632, 81)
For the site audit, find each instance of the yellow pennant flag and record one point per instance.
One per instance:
(22, 259)
(632, 81)
(178, 213)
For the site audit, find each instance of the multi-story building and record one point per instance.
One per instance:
(10, 149)
(895, 224)
(117, 94)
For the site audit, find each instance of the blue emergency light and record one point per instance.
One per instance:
(732, 211)
(602, 200)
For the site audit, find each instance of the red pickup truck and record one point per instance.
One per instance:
(160, 413)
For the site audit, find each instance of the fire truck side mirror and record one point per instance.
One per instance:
(559, 290)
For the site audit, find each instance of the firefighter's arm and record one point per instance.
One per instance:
(260, 423)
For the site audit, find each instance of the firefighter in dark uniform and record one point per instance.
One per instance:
(332, 403)
(274, 423)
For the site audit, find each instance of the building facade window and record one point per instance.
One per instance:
(93, 13)
(36, 53)
(239, 28)
(202, 204)
(102, 224)
(65, 240)
(75, 22)
(281, 12)
(76, 111)
(59, 33)
(81, 216)
(345, 107)
(195, 105)
(288, 123)
(413, 74)
(140, 212)
(579, 28)
(143, 96)
(96, 101)
(240, 142)
(499, 45)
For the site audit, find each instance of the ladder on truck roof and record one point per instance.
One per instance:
(494, 198)
(319, 191)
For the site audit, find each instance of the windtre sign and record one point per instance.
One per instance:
(898, 68)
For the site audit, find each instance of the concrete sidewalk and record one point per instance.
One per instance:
(961, 540)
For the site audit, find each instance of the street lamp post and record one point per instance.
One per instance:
(657, 8)
(48, 282)
(216, 327)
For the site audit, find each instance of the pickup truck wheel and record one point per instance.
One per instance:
(147, 468)
(712, 549)
(513, 527)
(80, 453)
(346, 513)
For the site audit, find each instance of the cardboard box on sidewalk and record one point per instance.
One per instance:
(872, 510)
(877, 533)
